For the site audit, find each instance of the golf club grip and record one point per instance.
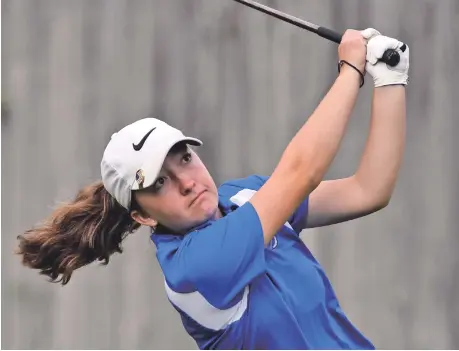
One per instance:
(329, 34)
(390, 56)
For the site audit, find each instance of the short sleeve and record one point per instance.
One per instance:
(220, 260)
(299, 219)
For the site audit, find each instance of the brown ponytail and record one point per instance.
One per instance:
(90, 228)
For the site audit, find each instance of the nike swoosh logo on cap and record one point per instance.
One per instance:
(139, 146)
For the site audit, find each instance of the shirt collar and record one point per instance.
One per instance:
(225, 205)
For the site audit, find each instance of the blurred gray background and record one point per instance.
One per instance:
(75, 71)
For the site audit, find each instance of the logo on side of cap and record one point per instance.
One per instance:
(140, 178)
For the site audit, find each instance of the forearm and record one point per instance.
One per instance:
(314, 147)
(381, 160)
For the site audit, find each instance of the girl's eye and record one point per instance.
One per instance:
(159, 183)
(187, 157)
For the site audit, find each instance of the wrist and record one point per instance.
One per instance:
(350, 75)
(385, 81)
(346, 66)
(391, 86)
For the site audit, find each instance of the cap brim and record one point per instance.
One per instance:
(151, 168)
(191, 141)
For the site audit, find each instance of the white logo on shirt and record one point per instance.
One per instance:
(273, 243)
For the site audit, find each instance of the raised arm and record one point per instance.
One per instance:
(372, 185)
(310, 153)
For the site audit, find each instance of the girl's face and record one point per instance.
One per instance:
(184, 194)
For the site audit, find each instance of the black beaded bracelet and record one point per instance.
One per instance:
(362, 78)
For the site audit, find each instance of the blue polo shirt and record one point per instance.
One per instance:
(233, 292)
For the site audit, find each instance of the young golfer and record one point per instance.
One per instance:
(235, 268)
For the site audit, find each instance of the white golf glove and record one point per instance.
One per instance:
(382, 73)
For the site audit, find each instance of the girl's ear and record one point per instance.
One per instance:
(143, 220)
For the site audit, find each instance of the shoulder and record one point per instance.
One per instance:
(238, 191)
(253, 182)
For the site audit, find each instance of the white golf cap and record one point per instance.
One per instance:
(135, 155)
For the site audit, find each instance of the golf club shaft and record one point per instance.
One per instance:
(390, 57)
(322, 31)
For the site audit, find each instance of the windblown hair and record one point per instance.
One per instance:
(91, 227)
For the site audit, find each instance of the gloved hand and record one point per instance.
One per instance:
(382, 73)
